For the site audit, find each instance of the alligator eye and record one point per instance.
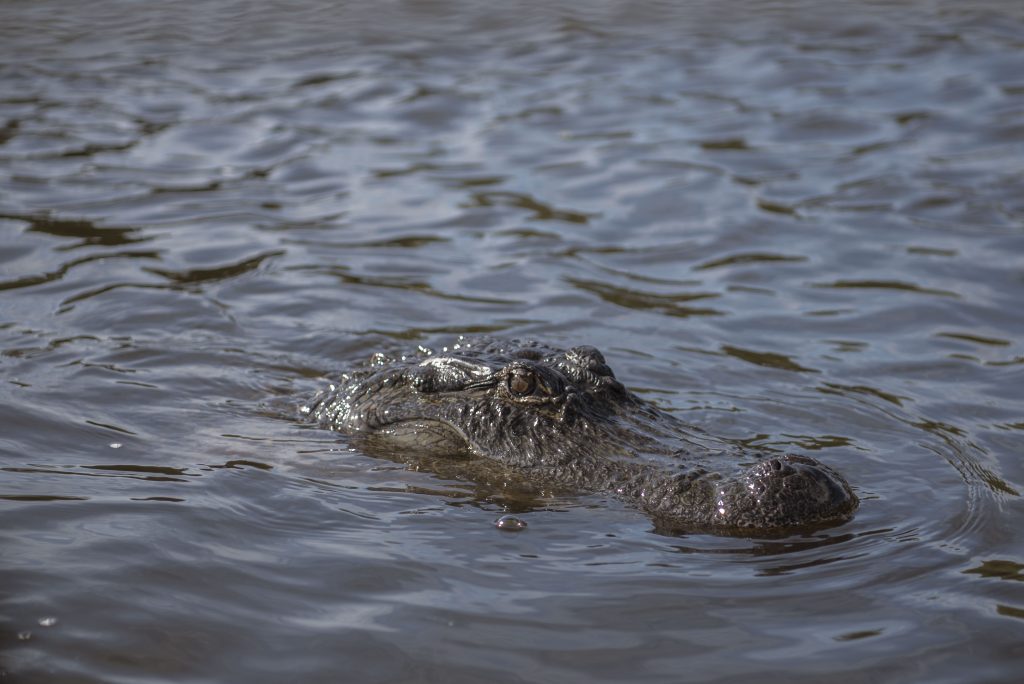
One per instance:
(521, 382)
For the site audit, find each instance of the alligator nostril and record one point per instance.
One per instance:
(776, 465)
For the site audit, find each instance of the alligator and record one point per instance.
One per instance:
(561, 418)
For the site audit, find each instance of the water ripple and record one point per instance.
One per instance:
(796, 227)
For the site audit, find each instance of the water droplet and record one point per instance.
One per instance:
(510, 523)
(24, 636)
(47, 621)
(115, 445)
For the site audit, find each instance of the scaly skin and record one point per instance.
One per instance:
(561, 417)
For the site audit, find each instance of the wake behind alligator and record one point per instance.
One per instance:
(561, 418)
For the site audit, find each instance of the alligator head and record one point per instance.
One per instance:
(561, 417)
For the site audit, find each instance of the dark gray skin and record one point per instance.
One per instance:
(560, 418)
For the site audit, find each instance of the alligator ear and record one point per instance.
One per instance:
(530, 354)
(586, 366)
(449, 374)
(587, 361)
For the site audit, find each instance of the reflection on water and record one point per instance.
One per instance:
(797, 227)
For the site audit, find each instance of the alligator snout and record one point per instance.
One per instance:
(785, 491)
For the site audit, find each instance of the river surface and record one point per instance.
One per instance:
(797, 225)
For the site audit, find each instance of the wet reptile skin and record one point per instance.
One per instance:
(561, 417)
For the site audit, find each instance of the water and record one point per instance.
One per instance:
(797, 226)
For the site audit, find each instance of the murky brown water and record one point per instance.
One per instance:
(800, 225)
